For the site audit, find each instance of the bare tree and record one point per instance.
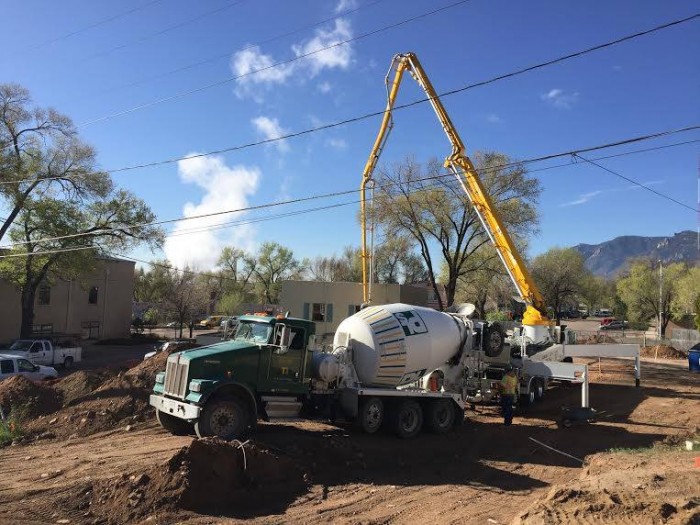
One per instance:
(433, 209)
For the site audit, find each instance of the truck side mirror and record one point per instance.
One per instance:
(285, 334)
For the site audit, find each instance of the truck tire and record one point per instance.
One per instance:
(538, 387)
(370, 415)
(494, 339)
(407, 419)
(68, 363)
(440, 415)
(174, 425)
(223, 418)
(527, 399)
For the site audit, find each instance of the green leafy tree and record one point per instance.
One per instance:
(687, 294)
(55, 238)
(396, 262)
(642, 291)
(62, 210)
(560, 275)
(435, 212)
(270, 266)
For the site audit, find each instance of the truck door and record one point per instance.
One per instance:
(38, 354)
(286, 373)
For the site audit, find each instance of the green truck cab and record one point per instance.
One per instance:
(264, 371)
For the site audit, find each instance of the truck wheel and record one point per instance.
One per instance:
(539, 389)
(527, 399)
(494, 340)
(174, 425)
(408, 419)
(370, 415)
(68, 363)
(440, 416)
(227, 419)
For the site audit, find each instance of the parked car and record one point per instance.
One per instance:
(172, 346)
(229, 323)
(11, 365)
(44, 352)
(213, 321)
(614, 325)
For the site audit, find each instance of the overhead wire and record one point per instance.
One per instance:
(571, 153)
(639, 184)
(244, 48)
(386, 28)
(271, 66)
(99, 54)
(94, 25)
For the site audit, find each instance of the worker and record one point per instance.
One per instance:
(509, 387)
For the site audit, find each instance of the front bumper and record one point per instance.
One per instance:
(175, 408)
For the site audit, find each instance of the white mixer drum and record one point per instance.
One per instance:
(397, 344)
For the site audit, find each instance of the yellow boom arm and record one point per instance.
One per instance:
(462, 167)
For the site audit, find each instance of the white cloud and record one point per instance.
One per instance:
(256, 68)
(345, 5)
(323, 51)
(337, 143)
(492, 118)
(225, 188)
(560, 99)
(324, 87)
(270, 128)
(585, 197)
(334, 57)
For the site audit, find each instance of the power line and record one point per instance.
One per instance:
(385, 28)
(271, 66)
(94, 25)
(346, 192)
(246, 47)
(162, 31)
(639, 184)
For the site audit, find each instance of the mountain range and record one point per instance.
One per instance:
(608, 259)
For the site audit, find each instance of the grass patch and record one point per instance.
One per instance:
(11, 425)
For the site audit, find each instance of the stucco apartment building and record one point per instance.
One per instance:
(95, 307)
(329, 303)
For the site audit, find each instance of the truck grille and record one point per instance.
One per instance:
(176, 376)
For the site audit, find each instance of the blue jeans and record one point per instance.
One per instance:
(507, 402)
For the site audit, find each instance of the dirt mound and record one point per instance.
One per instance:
(208, 476)
(662, 351)
(32, 399)
(80, 384)
(648, 486)
(101, 401)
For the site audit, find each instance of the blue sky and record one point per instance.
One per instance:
(638, 87)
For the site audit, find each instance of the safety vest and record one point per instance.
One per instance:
(509, 385)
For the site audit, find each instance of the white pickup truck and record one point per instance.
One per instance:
(11, 365)
(43, 352)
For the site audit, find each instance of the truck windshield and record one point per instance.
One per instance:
(21, 345)
(256, 332)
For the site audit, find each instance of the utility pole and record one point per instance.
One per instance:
(661, 291)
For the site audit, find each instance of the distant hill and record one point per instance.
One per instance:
(609, 258)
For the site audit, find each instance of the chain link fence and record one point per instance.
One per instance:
(681, 340)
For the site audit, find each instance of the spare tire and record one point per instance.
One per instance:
(493, 340)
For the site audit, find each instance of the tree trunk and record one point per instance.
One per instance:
(28, 293)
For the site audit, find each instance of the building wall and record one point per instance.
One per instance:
(69, 310)
(340, 300)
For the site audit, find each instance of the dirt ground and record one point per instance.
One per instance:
(101, 458)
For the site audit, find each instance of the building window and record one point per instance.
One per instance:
(91, 329)
(92, 295)
(44, 298)
(318, 312)
(353, 309)
(42, 329)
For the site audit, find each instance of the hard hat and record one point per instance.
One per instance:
(508, 368)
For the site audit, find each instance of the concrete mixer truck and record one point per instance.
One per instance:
(396, 365)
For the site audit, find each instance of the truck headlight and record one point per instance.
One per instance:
(160, 377)
(195, 386)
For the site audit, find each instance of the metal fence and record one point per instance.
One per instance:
(681, 339)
